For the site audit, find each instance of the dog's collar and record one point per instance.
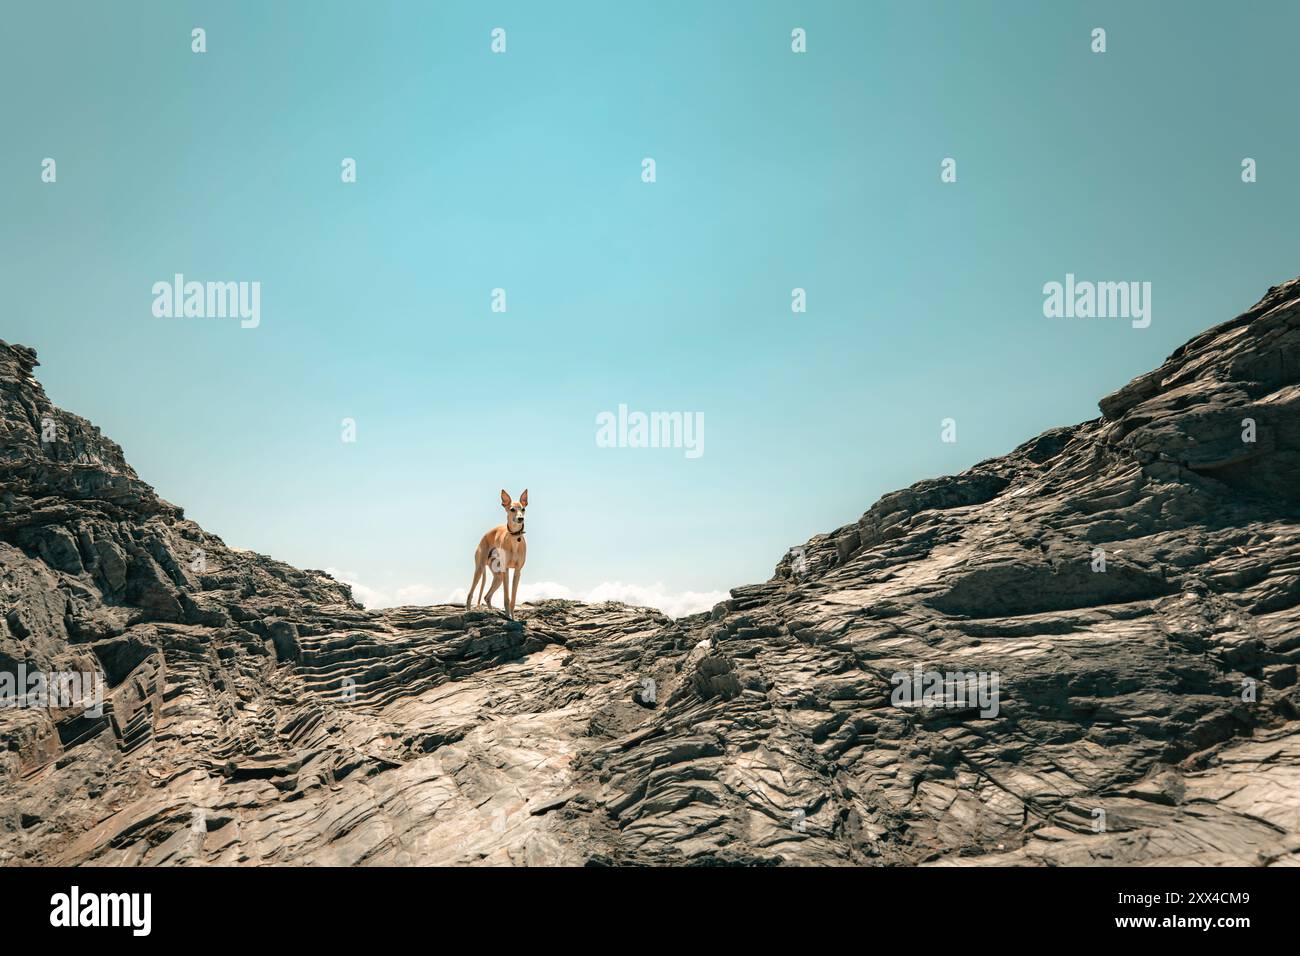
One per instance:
(514, 534)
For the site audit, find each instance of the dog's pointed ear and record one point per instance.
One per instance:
(505, 498)
(523, 499)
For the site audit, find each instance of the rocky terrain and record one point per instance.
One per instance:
(1148, 712)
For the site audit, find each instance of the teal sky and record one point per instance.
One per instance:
(523, 171)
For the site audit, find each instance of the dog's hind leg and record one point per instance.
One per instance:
(478, 576)
(497, 579)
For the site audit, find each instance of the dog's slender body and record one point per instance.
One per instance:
(501, 550)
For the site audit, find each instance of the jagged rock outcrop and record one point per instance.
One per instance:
(255, 714)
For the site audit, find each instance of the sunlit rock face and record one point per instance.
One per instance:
(1123, 595)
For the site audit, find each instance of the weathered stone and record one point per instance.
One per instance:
(112, 562)
(1133, 584)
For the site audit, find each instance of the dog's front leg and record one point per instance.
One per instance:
(515, 592)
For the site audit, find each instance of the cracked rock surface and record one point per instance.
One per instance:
(1132, 583)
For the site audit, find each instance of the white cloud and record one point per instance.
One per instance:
(419, 594)
(674, 604)
(366, 595)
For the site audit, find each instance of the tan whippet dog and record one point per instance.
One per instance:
(501, 549)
